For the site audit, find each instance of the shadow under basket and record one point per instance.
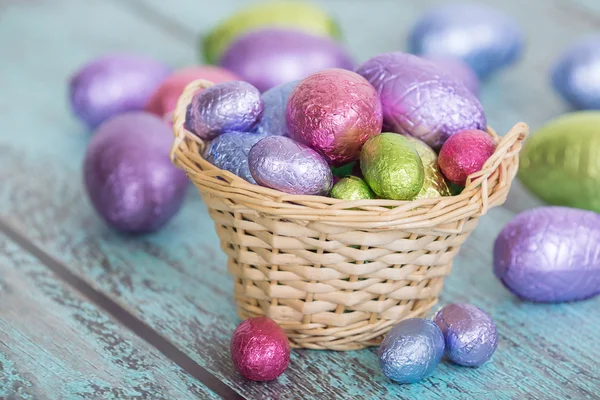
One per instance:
(338, 274)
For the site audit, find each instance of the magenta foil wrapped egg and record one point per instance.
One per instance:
(335, 112)
(228, 106)
(129, 177)
(114, 84)
(280, 163)
(260, 349)
(273, 56)
(464, 154)
(420, 99)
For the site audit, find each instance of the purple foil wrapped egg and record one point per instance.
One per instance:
(229, 151)
(420, 99)
(335, 112)
(469, 332)
(272, 56)
(129, 177)
(228, 106)
(280, 163)
(273, 121)
(114, 84)
(550, 254)
(260, 350)
(458, 69)
(484, 37)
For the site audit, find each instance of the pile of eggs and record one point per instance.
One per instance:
(381, 125)
(410, 351)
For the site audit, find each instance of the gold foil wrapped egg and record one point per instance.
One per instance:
(352, 188)
(392, 167)
(435, 184)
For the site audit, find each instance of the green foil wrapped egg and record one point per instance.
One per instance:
(392, 167)
(560, 163)
(435, 184)
(351, 188)
(293, 14)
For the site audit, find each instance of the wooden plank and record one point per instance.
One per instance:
(176, 281)
(56, 345)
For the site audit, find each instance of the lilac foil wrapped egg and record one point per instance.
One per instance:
(273, 56)
(420, 99)
(129, 177)
(114, 84)
(469, 332)
(335, 112)
(550, 254)
(459, 70)
(485, 38)
(280, 163)
(228, 106)
(273, 120)
(576, 74)
(229, 151)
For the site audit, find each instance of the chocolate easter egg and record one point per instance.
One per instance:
(550, 254)
(464, 154)
(273, 120)
(114, 84)
(129, 177)
(352, 188)
(273, 56)
(229, 151)
(165, 97)
(334, 111)
(459, 70)
(260, 349)
(228, 106)
(482, 36)
(434, 184)
(469, 333)
(575, 74)
(392, 167)
(280, 163)
(560, 162)
(295, 15)
(420, 99)
(411, 350)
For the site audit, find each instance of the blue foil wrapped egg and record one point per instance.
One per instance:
(129, 177)
(228, 106)
(280, 163)
(273, 121)
(469, 332)
(485, 38)
(229, 151)
(411, 350)
(576, 74)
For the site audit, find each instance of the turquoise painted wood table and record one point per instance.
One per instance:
(86, 313)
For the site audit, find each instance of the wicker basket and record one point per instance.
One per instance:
(336, 274)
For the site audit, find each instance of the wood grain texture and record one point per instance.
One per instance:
(176, 280)
(56, 345)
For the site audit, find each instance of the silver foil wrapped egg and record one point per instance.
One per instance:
(419, 99)
(280, 163)
(469, 332)
(485, 38)
(228, 106)
(229, 151)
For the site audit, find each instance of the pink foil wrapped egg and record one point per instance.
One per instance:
(335, 112)
(465, 153)
(114, 84)
(420, 99)
(164, 99)
(260, 349)
(270, 57)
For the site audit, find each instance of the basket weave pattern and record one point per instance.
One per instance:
(337, 274)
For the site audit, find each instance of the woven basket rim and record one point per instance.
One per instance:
(270, 201)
